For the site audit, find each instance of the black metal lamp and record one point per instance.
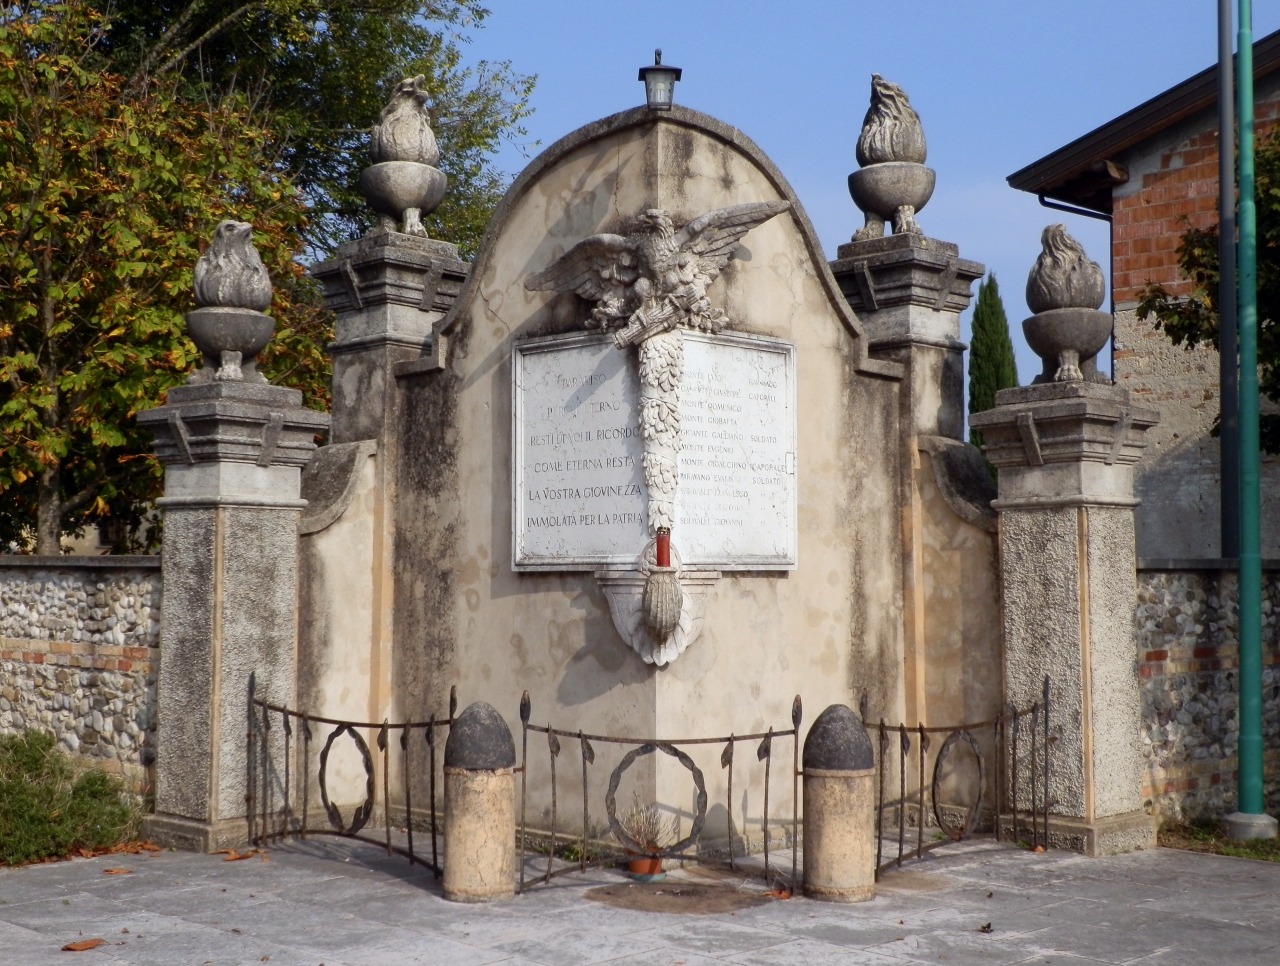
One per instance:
(659, 83)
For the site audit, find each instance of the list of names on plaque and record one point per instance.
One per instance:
(735, 506)
(580, 499)
(579, 494)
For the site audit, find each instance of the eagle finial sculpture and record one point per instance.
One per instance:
(655, 280)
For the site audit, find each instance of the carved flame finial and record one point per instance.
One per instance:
(403, 131)
(1063, 277)
(891, 131)
(230, 273)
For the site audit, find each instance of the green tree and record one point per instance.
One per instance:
(106, 194)
(992, 366)
(1192, 320)
(321, 71)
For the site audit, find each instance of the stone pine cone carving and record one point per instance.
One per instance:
(891, 131)
(230, 273)
(1063, 277)
(403, 132)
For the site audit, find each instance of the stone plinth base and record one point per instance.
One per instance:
(188, 835)
(1241, 826)
(1104, 836)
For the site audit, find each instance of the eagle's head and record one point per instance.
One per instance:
(658, 220)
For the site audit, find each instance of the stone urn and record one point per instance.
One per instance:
(402, 185)
(227, 326)
(1067, 331)
(892, 183)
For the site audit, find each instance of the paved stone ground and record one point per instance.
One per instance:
(345, 904)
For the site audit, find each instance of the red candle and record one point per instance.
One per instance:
(662, 553)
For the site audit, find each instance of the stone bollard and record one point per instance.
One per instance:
(839, 809)
(479, 807)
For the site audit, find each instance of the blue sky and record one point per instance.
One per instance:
(997, 84)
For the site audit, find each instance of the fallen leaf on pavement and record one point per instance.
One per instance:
(116, 871)
(82, 945)
(780, 893)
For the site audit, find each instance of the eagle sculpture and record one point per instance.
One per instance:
(656, 279)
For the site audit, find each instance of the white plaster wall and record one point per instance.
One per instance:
(825, 630)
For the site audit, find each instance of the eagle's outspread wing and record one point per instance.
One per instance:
(713, 237)
(598, 267)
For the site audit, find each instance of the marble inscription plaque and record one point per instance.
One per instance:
(579, 483)
(579, 498)
(735, 506)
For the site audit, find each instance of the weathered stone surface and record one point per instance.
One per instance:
(479, 834)
(1188, 659)
(838, 740)
(479, 739)
(463, 614)
(78, 659)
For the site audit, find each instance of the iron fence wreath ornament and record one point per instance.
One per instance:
(971, 816)
(611, 805)
(361, 815)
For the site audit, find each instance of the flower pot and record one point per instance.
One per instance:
(646, 868)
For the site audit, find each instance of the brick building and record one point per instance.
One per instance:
(1153, 172)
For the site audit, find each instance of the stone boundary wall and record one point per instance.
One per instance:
(1188, 658)
(79, 654)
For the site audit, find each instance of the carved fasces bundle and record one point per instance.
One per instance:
(891, 131)
(663, 599)
(230, 273)
(403, 131)
(1063, 277)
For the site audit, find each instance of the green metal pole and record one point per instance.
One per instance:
(1250, 616)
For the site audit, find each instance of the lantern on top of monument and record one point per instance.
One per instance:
(893, 182)
(402, 185)
(1065, 290)
(659, 83)
(231, 288)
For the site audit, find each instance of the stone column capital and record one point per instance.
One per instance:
(233, 443)
(906, 288)
(387, 288)
(1064, 444)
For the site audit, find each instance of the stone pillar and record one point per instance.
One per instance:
(839, 809)
(1065, 453)
(479, 807)
(232, 453)
(909, 291)
(386, 291)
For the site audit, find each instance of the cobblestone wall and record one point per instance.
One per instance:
(79, 648)
(1188, 657)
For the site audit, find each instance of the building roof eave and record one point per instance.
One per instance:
(1084, 171)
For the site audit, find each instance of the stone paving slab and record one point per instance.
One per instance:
(342, 903)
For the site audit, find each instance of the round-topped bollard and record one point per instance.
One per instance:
(479, 807)
(839, 809)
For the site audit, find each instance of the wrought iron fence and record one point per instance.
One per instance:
(279, 781)
(1019, 740)
(594, 851)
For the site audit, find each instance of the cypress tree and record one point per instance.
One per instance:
(991, 363)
